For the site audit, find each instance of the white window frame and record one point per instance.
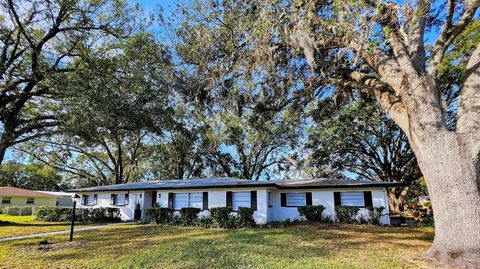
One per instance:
(190, 200)
(30, 199)
(359, 196)
(289, 198)
(241, 199)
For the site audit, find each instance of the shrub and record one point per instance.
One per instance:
(44, 213)
(188, 215)
(421, 212)
(203, 221)
(103, 214)
(311, 212)
(245, 218)
(221, 217)
(375, 215)
(346, 214)
(161, 215)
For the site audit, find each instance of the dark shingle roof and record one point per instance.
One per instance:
(204, 183)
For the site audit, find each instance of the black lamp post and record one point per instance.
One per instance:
(73, 215)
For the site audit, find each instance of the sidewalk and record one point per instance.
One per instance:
(65, 231)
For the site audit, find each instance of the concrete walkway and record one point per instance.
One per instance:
(65, 231)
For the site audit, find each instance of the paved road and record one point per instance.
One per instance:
(64, 231)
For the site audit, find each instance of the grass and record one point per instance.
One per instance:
(25, 225)
(152, 246)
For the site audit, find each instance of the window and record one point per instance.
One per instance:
(30, 201)
(270, 199)
(119, 199)
(6, 200)
(352, 199)
(241, 199)
(296, 199)
(88, 200)
(194, 199)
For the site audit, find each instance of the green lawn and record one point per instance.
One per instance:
(25, 225)
(152, 246)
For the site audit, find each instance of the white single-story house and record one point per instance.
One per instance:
(273, 200)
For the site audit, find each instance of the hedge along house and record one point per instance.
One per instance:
(271, 200)
(17, 197)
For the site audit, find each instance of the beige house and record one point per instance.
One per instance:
(11, 196)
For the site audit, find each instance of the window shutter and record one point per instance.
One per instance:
(205, 200)
(170, 199)
(337, 199)
(126, 198)
(94, 199)
(308, 198)
(229, 199)
(367, 196)
(112, 199)
(283, 200)
(253, 200)
(84, 198)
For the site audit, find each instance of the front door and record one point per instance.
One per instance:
(154, 198)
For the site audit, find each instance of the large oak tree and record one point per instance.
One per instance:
(39, 42)
(394, 52)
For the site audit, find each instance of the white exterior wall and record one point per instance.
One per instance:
(325, 198)
(218, 198)
(263, 214)
(103, 200)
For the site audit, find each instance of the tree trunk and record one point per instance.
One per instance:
(3, 150)
(452, 184)
(395, 200)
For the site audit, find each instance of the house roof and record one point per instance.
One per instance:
(58, 193)
(12, 191)
(205, 183)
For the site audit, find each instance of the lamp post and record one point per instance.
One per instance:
(73, 215)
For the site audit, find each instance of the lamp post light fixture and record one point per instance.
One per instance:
(75, 197)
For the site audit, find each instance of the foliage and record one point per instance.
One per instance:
(420, 212)
(188, 215)
(358, 140)
(160, 215)
(312, 212)
(101, 214)
(346, 214)
(44, 213)
(221, 217)
(375, 214)
(111, 109)
(253, 111)
(245, 218)
(43, 43)
(33, 176)
(18, 210)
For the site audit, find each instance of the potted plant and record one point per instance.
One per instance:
(138, 211)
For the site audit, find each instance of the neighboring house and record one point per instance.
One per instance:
(272, 200)
(64, 199)
(11, 196)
